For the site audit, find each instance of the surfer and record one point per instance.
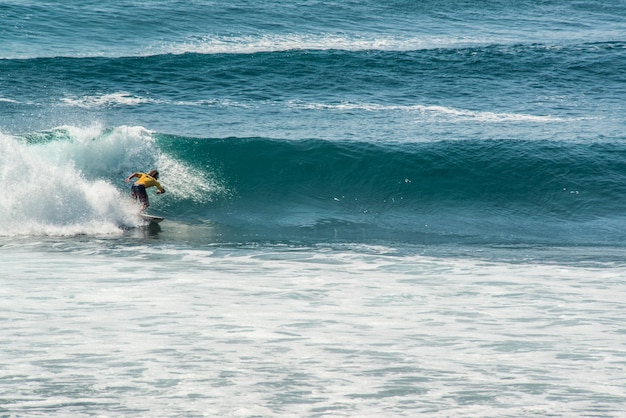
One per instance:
(144, 181)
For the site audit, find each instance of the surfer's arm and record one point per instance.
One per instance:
(158, 186)
(132, 176)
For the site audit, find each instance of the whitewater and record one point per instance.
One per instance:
(329, 331)
(398, 209)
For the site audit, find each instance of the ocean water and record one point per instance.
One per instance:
(401, 208)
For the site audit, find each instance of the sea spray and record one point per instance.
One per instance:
(70, 180)
(45, 193)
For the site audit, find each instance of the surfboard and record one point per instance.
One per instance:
(151, 218)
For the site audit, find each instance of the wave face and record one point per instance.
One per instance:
(471, 191)
(70, 180)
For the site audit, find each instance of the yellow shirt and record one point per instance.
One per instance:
(148, 181)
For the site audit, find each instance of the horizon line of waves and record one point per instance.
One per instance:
(123, 98)
(127, 99)
(252, 44)
(344, 41)
(437, 111)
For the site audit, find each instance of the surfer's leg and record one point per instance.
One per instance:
(139, 193)
(143, 198)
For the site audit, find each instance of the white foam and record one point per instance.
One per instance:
(432, 111)
(301, 332)
(271, 42)
(249, 44)
(5, 100)
(107, 100)
(45, 193)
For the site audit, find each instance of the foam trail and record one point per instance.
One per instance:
(250, 44)
(438, 112)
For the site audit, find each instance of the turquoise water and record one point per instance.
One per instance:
(398, 209)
